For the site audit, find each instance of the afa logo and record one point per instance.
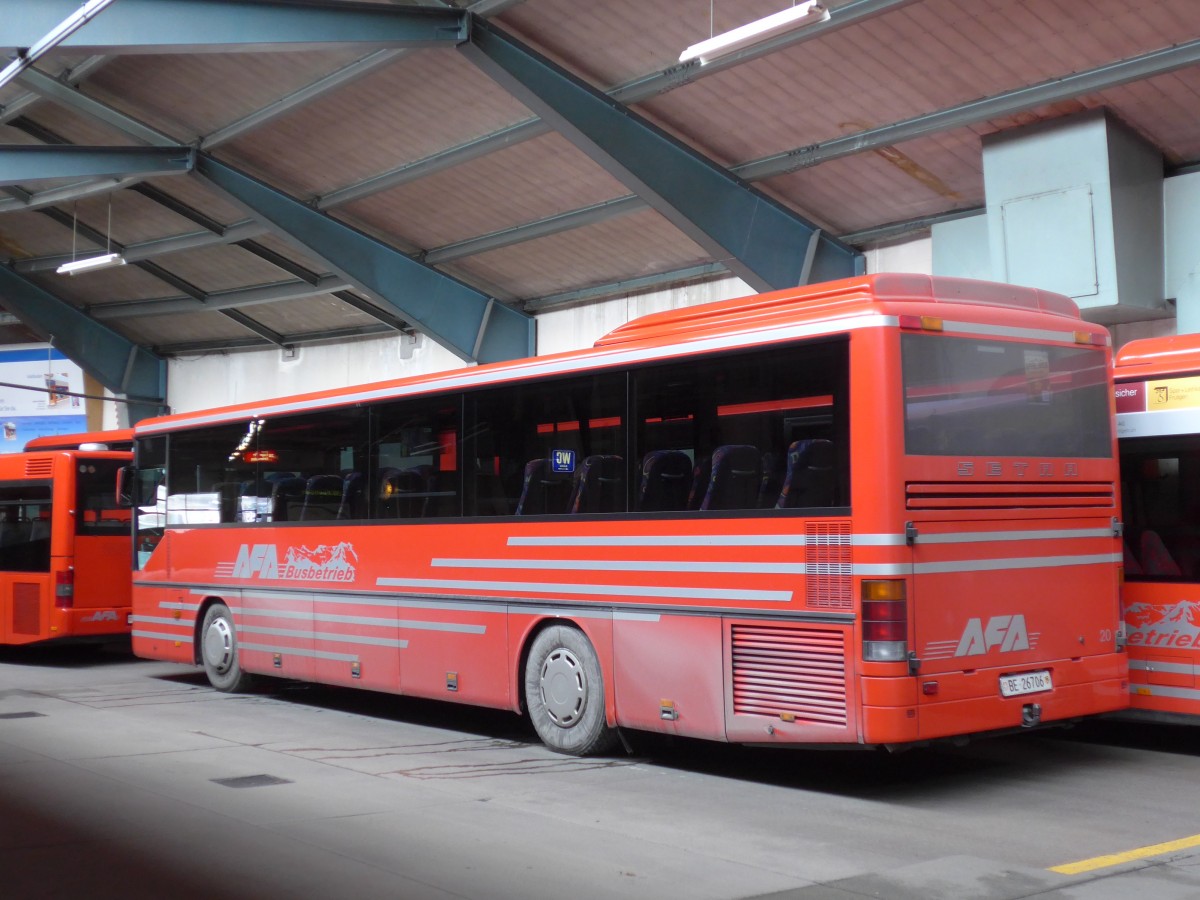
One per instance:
(1006, 632)
(324, 563)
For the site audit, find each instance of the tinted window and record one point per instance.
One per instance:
(547, 448)
(1160, 487)
(96, 510)
(761, 430)
(971, 397)
(25, 527)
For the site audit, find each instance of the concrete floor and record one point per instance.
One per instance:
(130, 779)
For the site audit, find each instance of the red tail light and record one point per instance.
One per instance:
(64, 589)
(884, 620)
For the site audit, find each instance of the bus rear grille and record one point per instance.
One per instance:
(1008, 495)
(26, 608)
(828, 566)
(778, 669)
(39, 466)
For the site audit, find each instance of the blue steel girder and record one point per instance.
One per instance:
(465, 321)
(23, 163)
(125, 368)
(230, 26)
(766, 244)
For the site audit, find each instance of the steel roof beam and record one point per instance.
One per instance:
(73, 98)
(232, 26)
(116, 362)
(250, 343)
(351, 72)
(758, 238)
(467, 322)
(219, 300)
(631, 92)
(22, 163)
(258, 328)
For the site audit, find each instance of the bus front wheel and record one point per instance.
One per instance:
(564, 693)
(218, 651)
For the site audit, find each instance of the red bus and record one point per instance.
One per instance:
(875, 511)
(116, 439)
(1158, 427)
(64, 546)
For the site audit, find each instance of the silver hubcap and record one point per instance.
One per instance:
(218, 644)
(564, 687)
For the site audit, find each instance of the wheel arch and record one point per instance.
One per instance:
(598, 631)
(201, 611)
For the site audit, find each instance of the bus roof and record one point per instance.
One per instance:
(117, 439)
(1175, 354)
(810, 309)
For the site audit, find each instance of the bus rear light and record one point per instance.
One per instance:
(885, 620)
(64, 589)
(922, 323)
(1086, 337)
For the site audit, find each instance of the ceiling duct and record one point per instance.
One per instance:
(1074, 205)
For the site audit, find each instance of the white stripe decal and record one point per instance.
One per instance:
(614, 590)
(154, 635)
(664, 540)
(983, 537)
(323, 636)
(622, 565)
(1175, 668)
(162, 620)
(1159, 690)
(300, 651)
(1033, 562)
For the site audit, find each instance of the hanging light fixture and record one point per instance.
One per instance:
(801, 15)
(91, 263)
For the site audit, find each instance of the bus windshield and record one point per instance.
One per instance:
(973, 397)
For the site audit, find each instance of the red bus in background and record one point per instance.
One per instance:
(64, 543)
(116, 439)
(877, 511)
(1158, 427)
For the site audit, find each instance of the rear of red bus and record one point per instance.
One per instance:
(64, 548)
(990, 581)
(1158, 427)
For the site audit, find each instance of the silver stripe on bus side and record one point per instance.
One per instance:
(162, 620)
(983, 537)
(300, 651)
(323, 636)
(412, 625)
(622, 565)
(1031, 562)
(154, 635)
(800, 540)
(1174, 668)
(615, 590)
(1161, 690)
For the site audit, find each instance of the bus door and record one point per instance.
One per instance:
(26, 583)
(998, 604)
(100, 569)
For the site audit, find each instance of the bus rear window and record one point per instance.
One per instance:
(96, 498)
(971, 397)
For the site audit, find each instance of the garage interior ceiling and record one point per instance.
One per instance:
(861, 128)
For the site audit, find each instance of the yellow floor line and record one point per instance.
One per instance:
(1115, 859)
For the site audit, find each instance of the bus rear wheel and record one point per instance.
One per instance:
(218, 651)
(564, 693)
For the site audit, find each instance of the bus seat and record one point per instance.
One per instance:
(666, 481)
(598, 485)
(402, 493)
(39, 529)
(736, 475)
(322, 496)
(809, 480)
(1156, 559)
(1132, 566)
(353, 495)
(286, 495)
(542, 490)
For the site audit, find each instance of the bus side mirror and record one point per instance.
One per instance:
(126, 483)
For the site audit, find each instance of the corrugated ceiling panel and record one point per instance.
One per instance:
(524, 183)
(98, 288)
(165, 330)
(175, 94)
(29, 234)
(222, 268)
(422, 103)
(627, 247)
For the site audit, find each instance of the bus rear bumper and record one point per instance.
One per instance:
(957, 703)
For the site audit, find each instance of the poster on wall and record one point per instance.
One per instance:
(35, 386)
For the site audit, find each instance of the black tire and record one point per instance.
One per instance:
(564, 693)
(218, 651)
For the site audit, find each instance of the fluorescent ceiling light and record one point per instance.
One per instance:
(107, 261)
(799, 16)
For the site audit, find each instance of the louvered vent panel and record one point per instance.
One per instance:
(777, 669)
(1009, 495)
(39, 466)
(828, 565)
(26, 609)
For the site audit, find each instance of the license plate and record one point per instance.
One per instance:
(1025, 683)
